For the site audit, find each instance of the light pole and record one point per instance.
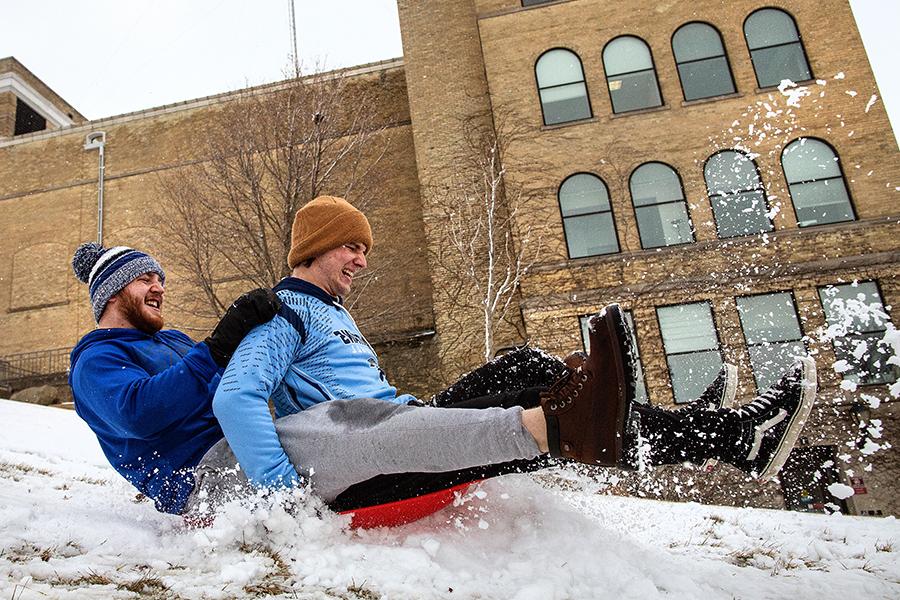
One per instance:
(97, 141)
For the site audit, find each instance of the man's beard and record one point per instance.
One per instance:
(133, 310)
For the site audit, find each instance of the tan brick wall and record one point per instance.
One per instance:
(682, 135)
(447, 94)
(7, 114)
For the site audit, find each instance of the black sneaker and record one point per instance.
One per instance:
(719, 394)
(771, 424)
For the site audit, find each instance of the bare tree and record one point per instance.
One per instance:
(485, 251)
(228, 216)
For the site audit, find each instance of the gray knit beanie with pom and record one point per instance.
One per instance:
(107, 270)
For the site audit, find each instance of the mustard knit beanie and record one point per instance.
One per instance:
(324, 224)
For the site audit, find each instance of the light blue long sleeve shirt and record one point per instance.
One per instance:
(324, 357)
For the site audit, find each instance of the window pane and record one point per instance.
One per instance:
(557, 67)
(581, 194)
(653, 183)
(867, 357)
(687, 328)
(741, 214)
(769, 318)
(695, 41)
(773, 334)
(689, 339)
(807, 160)
(821, 202)
(770, 361)
(640, 392)
(692, 373)
(590, 235)
(768, 27)
(565, 103)
(706, 78)
(729, 171)
(664, 225)
(626, 54)
(634, 91)
(852, 306)
(857, 312)
(585, 332)
(780, 62)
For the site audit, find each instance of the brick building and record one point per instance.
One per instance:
(665, 168)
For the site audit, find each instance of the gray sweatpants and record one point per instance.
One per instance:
(340, 443)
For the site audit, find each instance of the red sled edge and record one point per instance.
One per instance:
(401, 512)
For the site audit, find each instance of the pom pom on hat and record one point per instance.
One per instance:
(86, 256)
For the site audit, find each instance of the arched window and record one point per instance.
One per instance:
(587, 216)
(659, 206)
(560, 81)
(737, 194)
(816, 182)
(701, 61)
(630, 74)
(775, 47)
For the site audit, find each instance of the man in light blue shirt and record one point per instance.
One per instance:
(326, 383)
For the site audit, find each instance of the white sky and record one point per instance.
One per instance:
(108, 57)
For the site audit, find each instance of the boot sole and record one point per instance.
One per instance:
(798, 420)
(612, 319)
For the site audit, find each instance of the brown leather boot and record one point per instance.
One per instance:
(588, 409)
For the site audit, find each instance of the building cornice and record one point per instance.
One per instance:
(12, 82)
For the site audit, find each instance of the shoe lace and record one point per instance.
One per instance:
(565, 389)
(763, 403)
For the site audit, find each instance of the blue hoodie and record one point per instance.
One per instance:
(148, 398)
(322, 357)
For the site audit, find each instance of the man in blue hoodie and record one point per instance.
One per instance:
(147, 392)
(346, 430)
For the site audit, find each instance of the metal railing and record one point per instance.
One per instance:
(26, 369)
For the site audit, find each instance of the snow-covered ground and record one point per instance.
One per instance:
(71, 528)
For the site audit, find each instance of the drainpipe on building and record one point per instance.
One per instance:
(97, 140)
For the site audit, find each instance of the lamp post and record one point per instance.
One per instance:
(97, 141)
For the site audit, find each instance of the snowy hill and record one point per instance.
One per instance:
(71, 528)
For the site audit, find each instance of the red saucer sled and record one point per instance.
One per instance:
(401, 512)
(389, 514)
